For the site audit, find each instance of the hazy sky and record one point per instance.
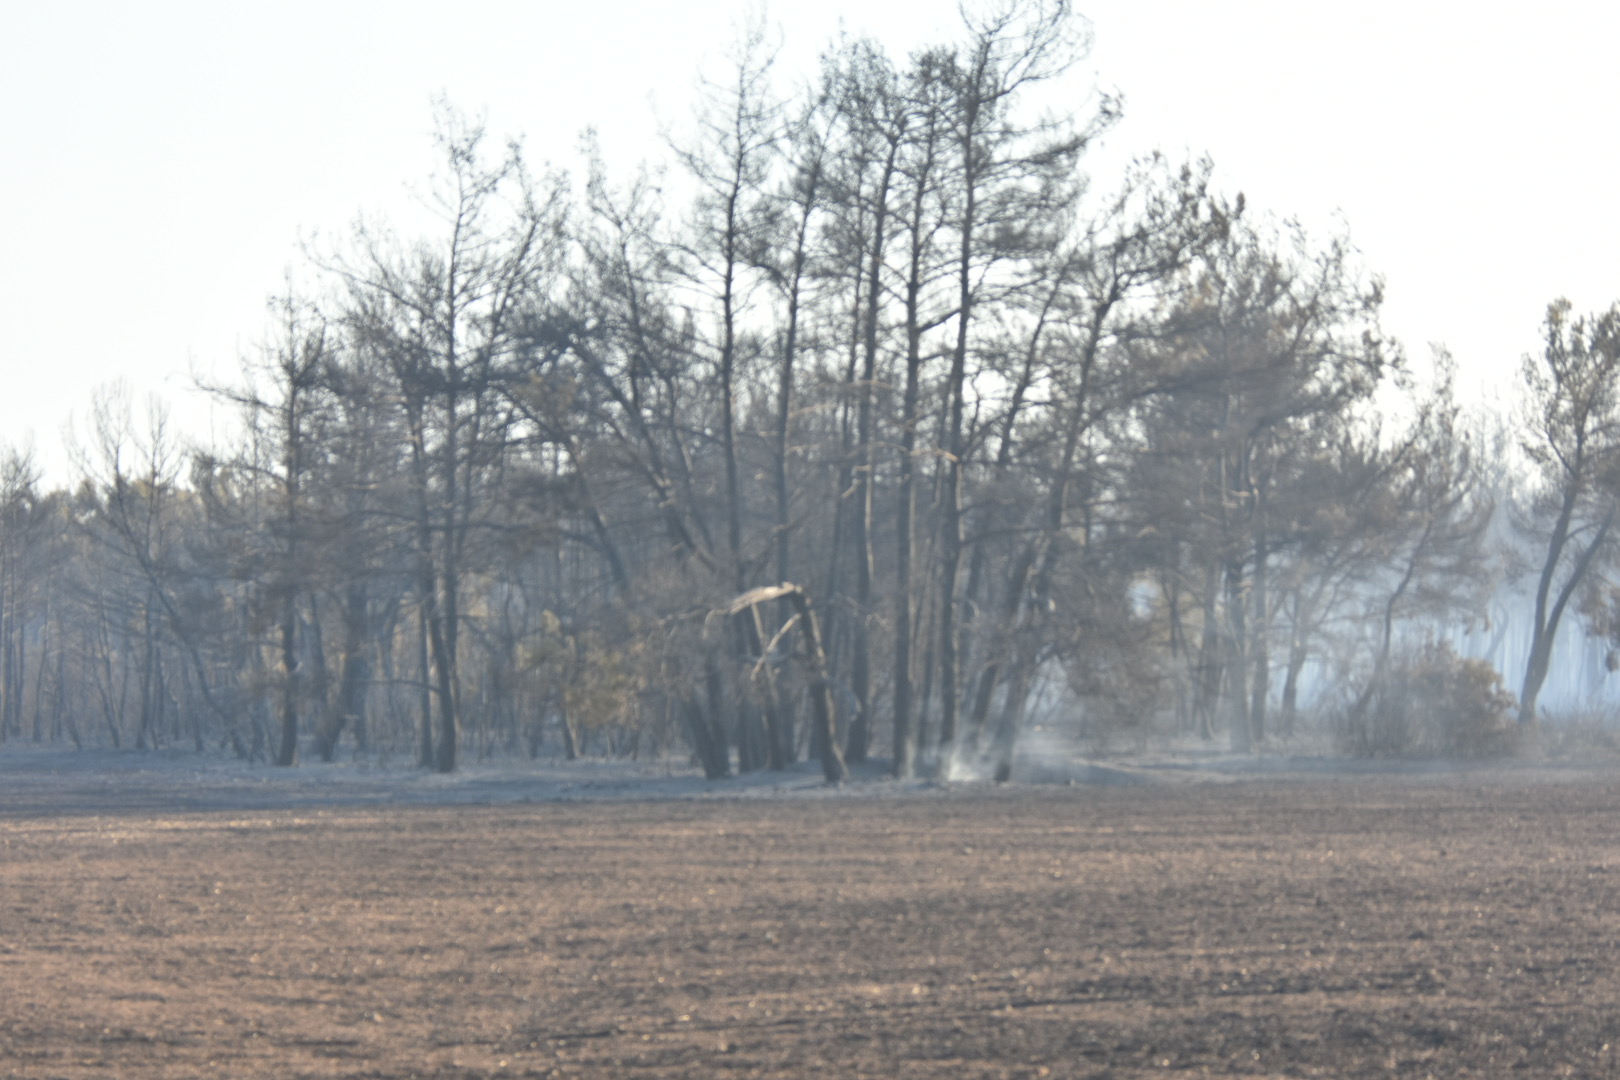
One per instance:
(161, 162)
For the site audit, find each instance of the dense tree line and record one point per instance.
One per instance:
(902, 425)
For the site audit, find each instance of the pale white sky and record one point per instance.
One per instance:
(161, 162)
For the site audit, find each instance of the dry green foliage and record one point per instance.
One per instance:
(1433, 704)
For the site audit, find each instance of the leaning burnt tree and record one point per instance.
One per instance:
(1572, 435)
(803, 620)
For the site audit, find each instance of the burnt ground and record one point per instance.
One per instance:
(1449, 925)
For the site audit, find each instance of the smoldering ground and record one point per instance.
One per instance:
(1455, 923)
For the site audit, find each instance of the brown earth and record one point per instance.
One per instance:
(1450, 926)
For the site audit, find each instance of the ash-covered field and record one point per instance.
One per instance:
(186, 920)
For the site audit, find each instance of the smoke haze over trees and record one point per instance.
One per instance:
(894, 425)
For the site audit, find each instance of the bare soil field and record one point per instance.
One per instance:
(1448, 925)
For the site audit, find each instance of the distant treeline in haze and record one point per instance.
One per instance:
(532, 480)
